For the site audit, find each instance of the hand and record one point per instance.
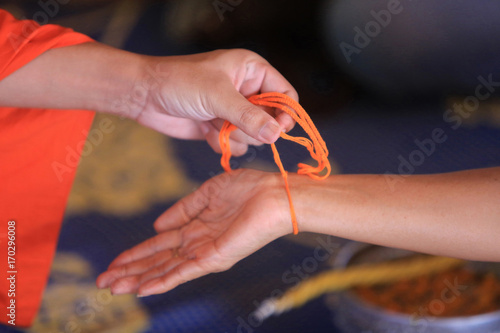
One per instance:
(228, 218)
(196, 93)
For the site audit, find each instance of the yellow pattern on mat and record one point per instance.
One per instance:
(72, 303)
(125, 168)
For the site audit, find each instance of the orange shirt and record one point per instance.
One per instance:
(39, 152)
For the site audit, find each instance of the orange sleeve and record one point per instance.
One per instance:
(22, 41)
(39, 154)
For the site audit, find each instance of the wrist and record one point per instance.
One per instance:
(128, 86)
(332, 206)
(307, 200)
(273, 190)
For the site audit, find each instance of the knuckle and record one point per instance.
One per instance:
(243, 54)
(247, 114)
(123, 271)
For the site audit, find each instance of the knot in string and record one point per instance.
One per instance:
(316, 146)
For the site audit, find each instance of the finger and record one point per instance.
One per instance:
(133, 268)
(168, 282)
(267, 79)
(186, 271)
(183, 211)
(238, 135)
(183, 129)
(189, 207)
(285, 120)
(130, 284)
(212, 138)
(153, 245)
(237, 148)
(126, 285)
(182, 273)
(274, 81)
(161, 270)
(251, 119)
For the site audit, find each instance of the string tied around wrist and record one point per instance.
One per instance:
(315, 145)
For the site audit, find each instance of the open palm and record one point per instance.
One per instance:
(228, 218)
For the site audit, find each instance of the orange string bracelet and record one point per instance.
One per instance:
(316, 147)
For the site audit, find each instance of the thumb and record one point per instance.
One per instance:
(251, 119)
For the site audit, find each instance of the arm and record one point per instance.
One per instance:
(232, 216)
(181, 96)
(454, 214)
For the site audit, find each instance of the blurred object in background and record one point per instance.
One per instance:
(415, 48)
(108, 21)
(459, 300)
(286, 33)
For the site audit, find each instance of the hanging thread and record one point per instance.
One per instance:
(316, 146)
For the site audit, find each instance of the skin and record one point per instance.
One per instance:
(186, 97)
(233, 215)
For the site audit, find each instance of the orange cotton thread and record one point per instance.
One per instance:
(316, 146)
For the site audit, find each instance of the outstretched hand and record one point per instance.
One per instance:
(228, 218)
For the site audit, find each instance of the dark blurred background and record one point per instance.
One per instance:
(332, 51)
(287, 33)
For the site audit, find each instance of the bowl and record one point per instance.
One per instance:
(353, 314)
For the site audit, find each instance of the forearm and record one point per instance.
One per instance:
(456, 214)
(88, 76)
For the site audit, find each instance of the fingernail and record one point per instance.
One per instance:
(269, 132)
